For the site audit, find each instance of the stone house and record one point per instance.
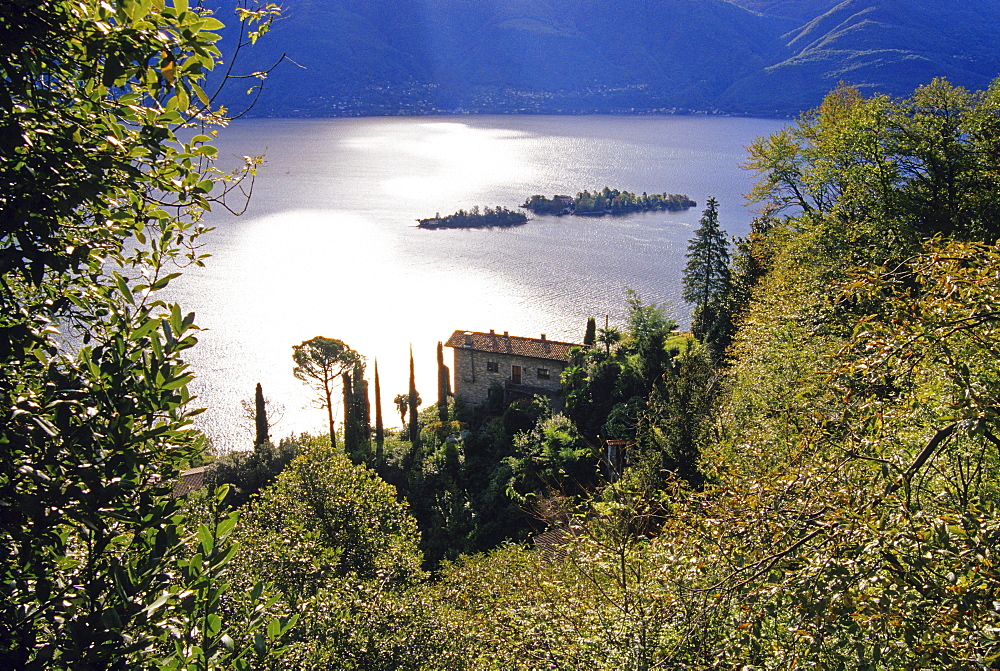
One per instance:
(521, 367)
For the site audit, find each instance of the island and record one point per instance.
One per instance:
(607, 201)
(487, 217)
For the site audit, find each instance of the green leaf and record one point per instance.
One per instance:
(177, 382)
(213, 625)
(206, 541)
(123, 287)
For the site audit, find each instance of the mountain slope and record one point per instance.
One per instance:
(573, 56)
(889, 46)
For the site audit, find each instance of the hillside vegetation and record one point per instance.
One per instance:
(806, 480)
(820, 492)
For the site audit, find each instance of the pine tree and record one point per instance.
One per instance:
(319, 363)
(707, 280)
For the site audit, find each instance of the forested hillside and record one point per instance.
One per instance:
(562, 56)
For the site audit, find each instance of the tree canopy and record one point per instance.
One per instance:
(100, 202)
(320, 362)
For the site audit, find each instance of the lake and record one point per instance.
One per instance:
(328, 245)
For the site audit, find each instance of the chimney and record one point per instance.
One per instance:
(468, 339)
(543, 336)
(492, 333)
(506, 335)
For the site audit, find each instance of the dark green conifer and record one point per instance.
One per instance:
(379, 427)
(413, 400)
(260, 417)
(350, 424)
(444, 386)
(707, 280)
(590, 336)
(357, 414)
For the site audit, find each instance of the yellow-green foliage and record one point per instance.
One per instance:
(851, 514)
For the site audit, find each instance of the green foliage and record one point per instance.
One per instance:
(345, 513)
(444, 386)
(487, 218)
(319, 362)
(590, 335)
(598, 381)
(607, 201)
(262, 428)
(379, 427)
(100, 199)
(551, 457)
(362, 625)
(248, 472)
(357, 415)
(340, 550)
(708, 282)
(412, 403)
(877, 176)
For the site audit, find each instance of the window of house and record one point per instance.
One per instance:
(492, 367)
(543, 373)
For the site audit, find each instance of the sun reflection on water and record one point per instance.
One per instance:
(441, 160)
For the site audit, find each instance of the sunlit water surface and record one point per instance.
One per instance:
(328, 245)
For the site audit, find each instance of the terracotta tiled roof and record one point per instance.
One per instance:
(190, 480)
(554, 544)
(535, 348)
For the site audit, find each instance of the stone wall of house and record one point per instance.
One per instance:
(473, 378)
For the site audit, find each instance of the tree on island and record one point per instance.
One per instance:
(318, 363)
(607, 201)
(707, 280)
(486, 217)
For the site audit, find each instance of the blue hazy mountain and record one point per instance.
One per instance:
(349, 57)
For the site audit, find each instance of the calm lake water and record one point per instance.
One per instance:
(328, 245)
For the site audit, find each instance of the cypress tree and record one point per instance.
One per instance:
(357, 414)
(350, 424)
(363, 409)
(590, 336)
(444, 386)
(379, 427)
(260, 417)
(413, 400)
